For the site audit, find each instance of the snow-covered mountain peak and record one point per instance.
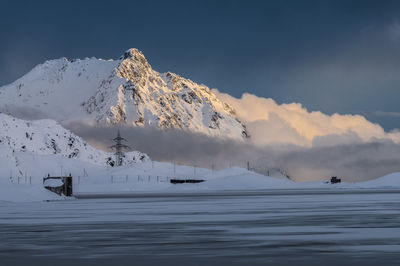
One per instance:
(124, 91)
(134, 54)
(133, 66)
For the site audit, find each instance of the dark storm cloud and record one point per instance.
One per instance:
(332, 56)
(352, 162)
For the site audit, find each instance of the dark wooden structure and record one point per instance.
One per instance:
(335, 180)
(182, 181)
(64, 189)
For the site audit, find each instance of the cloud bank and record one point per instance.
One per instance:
(271, 123)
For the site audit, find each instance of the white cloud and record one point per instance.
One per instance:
(271, 123)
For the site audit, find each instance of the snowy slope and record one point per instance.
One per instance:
(26, 193)
(387, 181)
(125, 91)
(44, 137)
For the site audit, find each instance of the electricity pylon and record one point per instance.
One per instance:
(118, 146)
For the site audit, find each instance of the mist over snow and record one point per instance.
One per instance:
(351, 161)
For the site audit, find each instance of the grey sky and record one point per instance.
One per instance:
(333, 56)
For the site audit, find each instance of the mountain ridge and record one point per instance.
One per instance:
(124, 91)
(47, 137)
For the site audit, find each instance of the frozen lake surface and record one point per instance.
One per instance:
(305, 227)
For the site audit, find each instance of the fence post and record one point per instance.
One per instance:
(126, 178)
(30, 180)
(112, 179)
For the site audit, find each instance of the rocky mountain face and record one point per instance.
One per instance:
(47, 137)
(124, 91)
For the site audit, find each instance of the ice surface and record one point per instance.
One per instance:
(348, 226)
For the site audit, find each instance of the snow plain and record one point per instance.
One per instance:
(154, 177)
